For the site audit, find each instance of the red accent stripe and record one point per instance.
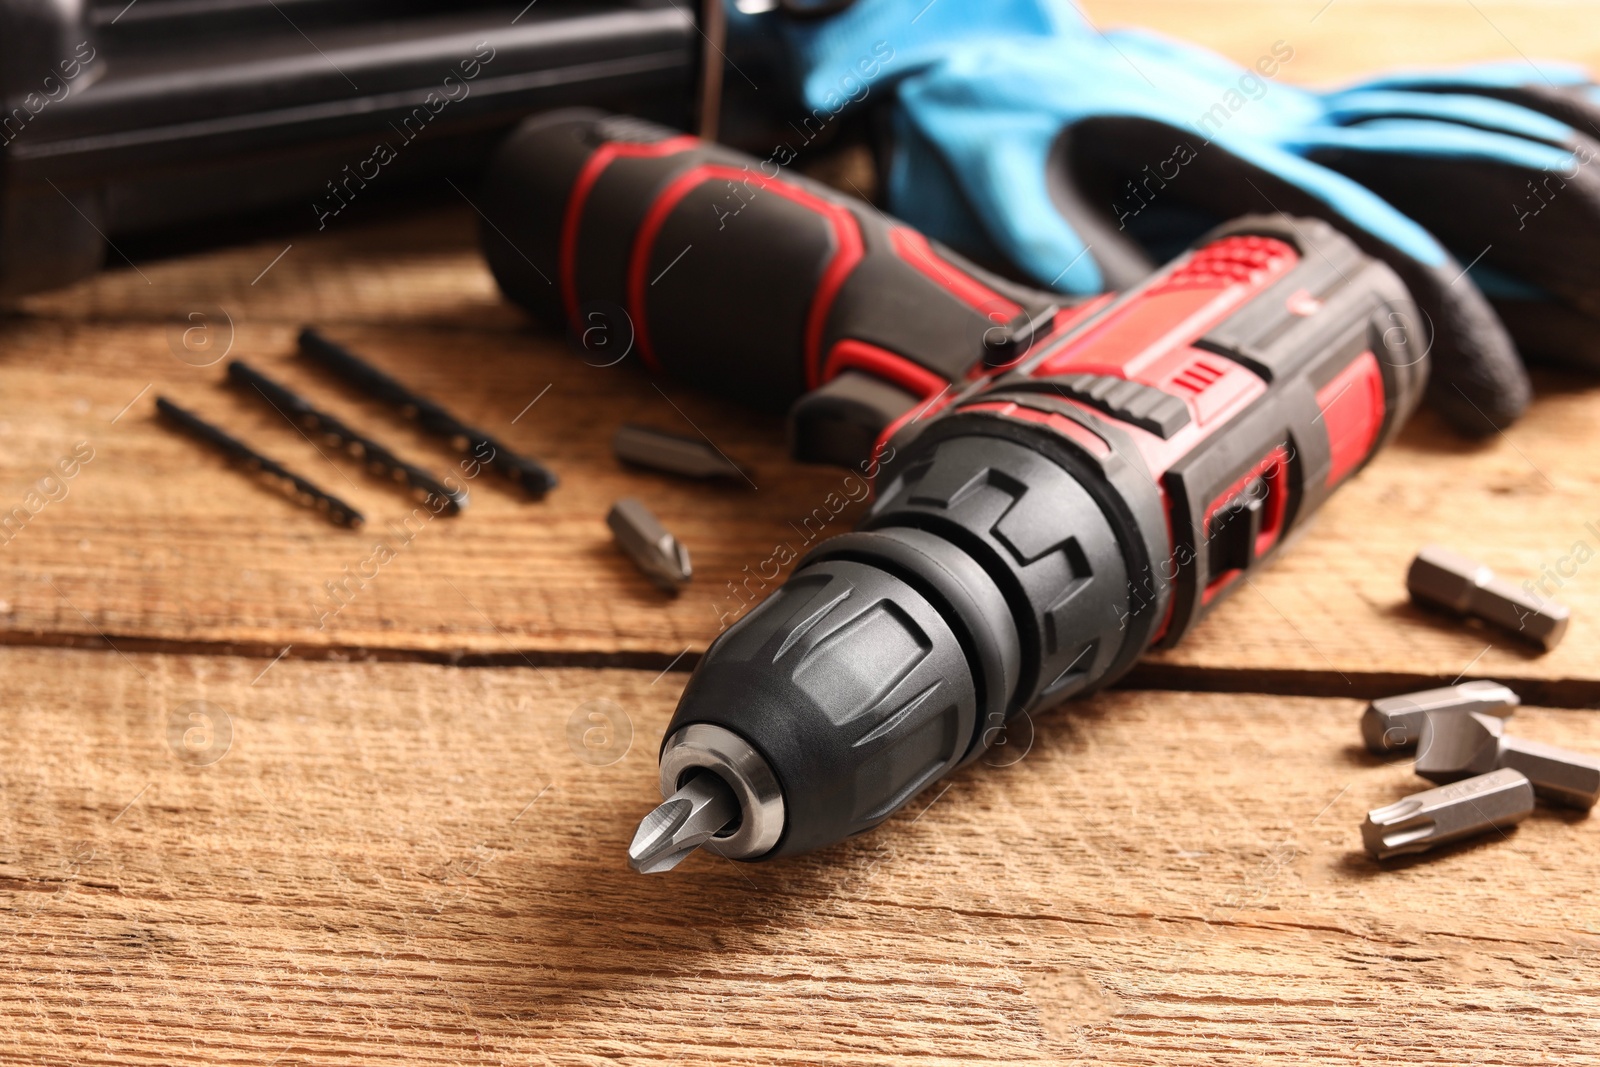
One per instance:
(1067, 318)
(1352, 410)
(1273, 470)
(882, 363)
(579, 196)
(938, 403)
(1245, 259)
(846, 257)
(1174, 310)
(846, 254)
(914, 248)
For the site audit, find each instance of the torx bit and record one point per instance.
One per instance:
(279, 476)
(1452, 812)
(672, 453)
(1449, 580)
(1457, 746)
(378, 459)
(682, 823)
(535, 479)
(657, 553)
(1394, 723)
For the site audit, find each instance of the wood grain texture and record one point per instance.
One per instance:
(157, 545)
(406, 861)
(423, 863)
(1338, 40)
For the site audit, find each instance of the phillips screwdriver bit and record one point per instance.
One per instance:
(653, 549)
(682, 823)
(645, 446)
(1394, 723)
(1457, 746)
(1451, 812)
(1445, 579)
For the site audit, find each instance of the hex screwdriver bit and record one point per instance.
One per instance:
(692, 457)
(1445, 579)
(653, 549)
(1393, 723)
(1458, 746)
(1449, 813)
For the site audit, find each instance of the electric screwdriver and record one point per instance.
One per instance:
(1057, 488)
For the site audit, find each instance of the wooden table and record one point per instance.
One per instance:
(398, 832)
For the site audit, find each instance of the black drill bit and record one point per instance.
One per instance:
(534, 478)
(377, 459)
(275, 473)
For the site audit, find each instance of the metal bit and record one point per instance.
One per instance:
(661, 557)
(1456, 746)
(1393, 723)
(1449, 580)
(535, 479)
(1560, 775)
(1452, 747)
(377, 459)
(659, 450)
(276, 474)
(1452, 812)
(682, 823)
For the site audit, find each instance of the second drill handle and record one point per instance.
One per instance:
(743, 281)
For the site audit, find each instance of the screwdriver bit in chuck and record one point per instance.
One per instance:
(1457, 583)
(1449, 813)
(1457, 746)
(682, 823)
(1394, 723)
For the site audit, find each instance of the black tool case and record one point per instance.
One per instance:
(131, 121)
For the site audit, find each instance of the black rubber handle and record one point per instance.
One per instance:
(728, 272)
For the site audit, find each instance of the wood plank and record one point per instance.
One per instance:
(403, 860)
(1342, 39)
(155, 545)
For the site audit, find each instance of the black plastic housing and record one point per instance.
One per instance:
(987, 579)
(164, 117)
(852, 685)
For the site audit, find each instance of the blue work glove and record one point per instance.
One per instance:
(1079, 160)
(834, 62)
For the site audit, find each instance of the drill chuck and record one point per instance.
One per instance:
(984, 577)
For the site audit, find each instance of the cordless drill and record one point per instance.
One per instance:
(1057, 488)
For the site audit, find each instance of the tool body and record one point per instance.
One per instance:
(1058, 489)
